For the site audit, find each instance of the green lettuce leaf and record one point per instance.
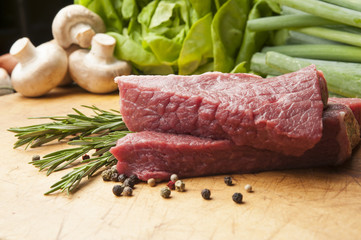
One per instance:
(227, 33)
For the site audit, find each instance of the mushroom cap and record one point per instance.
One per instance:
(71, 16)
(42, 72)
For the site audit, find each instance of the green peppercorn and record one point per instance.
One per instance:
(206, 194)
(117, 190)
(128, 191)
(237, 197)
(128, 183)
(35, 158)
(114, 169)
(228, 180)
(174, 177)
(121, 178)
(114, 177)
(106, 175)
(179, 186)
(165, 192)
(151, 182)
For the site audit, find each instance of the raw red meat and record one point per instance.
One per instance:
(158, 155)
(281, 114)
(353, 103)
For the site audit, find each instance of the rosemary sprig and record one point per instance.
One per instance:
(71, 181)
(95, 133)
(77, 124)
(61, 159)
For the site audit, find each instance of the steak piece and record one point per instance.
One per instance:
(353, 103)
(158, 155)
(282, 114)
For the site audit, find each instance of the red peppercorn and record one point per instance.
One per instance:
(98, 149)
(171, 185)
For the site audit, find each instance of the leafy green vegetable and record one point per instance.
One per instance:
(201, 7)
(197, 46)
(254, 41)
(239, 68)
(227, 32)
(130, 50)
(175, 36)
(108, 10)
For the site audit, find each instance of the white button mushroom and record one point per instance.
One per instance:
(95, 69)
(5, 83)
(39, 69)
(67, 80)
(76, 24)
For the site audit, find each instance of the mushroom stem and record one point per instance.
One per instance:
(82, 34)
(23, 50)
(103, 47)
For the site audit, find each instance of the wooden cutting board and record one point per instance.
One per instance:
(296, 204)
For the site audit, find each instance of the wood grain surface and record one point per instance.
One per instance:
(295, 204)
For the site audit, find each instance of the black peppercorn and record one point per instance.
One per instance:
(114, 177)
(117, 190)
(228, 180)
(121, 178)
(36, 158)
(134, 178)
(237, 197)
(85, 157)
(128, 191)
(128, 183)
(206, 193)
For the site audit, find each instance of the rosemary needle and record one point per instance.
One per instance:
(99, 133)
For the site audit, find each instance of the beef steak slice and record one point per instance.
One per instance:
(353, 103)
(158, 155)
(281, 114)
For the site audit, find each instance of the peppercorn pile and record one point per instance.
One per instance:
(127, 186)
